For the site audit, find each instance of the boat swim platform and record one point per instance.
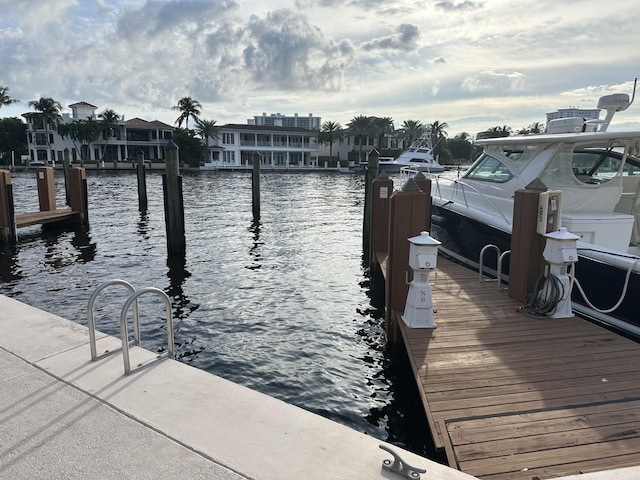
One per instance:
(509, 396)
(64, 416)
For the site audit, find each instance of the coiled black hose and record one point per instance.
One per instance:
(547, 293)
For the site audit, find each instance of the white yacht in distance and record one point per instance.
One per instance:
(419, 157)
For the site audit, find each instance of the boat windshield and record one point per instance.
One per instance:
(575, 166)
(489, 169)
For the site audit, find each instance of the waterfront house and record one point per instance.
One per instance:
(277, 147)
(121, 143)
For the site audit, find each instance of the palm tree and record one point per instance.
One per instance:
(411, 129)
(188, 108)
(331, 132)
(359, 126)
(109, 122)
(206, 129)
(380, 127)
(438, 131)
(5, 99)
(49, 114)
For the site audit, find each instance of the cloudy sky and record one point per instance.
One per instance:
(471, 63)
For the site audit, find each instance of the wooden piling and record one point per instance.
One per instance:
(46, 189)
(8, 232)
(424, 184)
(78, 195)
(142, 183)
(526, 263)
(173, 202)
(381, 191)
(66, 164)
(255, 188)
(407, 218)
(370, 175)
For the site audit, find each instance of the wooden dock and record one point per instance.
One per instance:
(508, 396)
(41, 218)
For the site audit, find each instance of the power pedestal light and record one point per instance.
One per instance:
(561, 251)
(423, 255)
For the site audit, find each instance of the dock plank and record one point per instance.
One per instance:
(509, 396)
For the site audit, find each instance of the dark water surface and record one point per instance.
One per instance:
(282, 307)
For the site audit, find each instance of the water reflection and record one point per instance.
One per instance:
(178, 273)
(87, 249)
(254, 250)
(143, 225)
(9, 268)
(57, 255)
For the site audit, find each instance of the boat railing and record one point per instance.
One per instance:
(463, 185)
(408, 172)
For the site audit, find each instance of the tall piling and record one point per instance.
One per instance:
(381, 190)
(142, 183)
(8, 233)
(78, 194)
(173, 202)
(424, 184)
(255, 188)
(46, 189)
(407, 218)
(66, 164)
(370, 175)
(526, 262)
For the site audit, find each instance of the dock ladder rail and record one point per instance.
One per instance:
(92, 323)
(500, 259)
(124, 332)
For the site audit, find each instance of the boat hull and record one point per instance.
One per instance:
(463, 238)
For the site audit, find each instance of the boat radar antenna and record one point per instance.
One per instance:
(617, 102)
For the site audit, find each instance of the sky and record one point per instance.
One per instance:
(473, 64)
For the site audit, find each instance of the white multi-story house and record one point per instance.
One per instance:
(277, 147)
(280, 120)
(123, 142)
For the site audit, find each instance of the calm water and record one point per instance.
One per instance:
(282, 307)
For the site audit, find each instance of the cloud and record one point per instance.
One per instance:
(452, 6)
(489, 80)
(405, 39)
(284, 50)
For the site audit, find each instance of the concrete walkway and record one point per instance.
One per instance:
(64, 417)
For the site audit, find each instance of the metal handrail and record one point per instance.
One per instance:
(92, 324)
(125, 334)
(482, 195)
(500, 259)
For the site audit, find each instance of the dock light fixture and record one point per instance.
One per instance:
(423, 256)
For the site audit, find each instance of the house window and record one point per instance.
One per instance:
(228, 138)
(229, 157)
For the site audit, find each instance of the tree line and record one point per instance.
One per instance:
(83, 132)
(193, 143)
